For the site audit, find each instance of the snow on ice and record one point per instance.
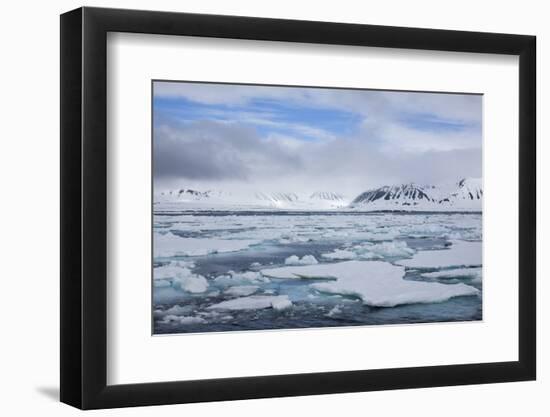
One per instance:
(376, 283)
(460, 253)
(254, 302)
(241, 290)
(168, 245)
(304, 260)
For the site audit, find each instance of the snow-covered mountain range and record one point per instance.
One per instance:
(464, 195)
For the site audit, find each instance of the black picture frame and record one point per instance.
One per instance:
(84, 207)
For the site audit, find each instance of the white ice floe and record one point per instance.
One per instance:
(304, 260)
(241, 290)
(396, 248)
(281, 303)
(319, 271)
(168, 245)
(376, 283)
(192, 283)
(170, 318)
(474, 273)
(340, 254)
(460, 253)
(369, 250)
(423, 229)
(254, 302)
(240, 278)
(179, 275)
(380, 235)
(172, 270)
(177, 310)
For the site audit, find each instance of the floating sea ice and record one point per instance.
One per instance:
(474, 273)
(172, 270)
(177, 310)
(319, 271)
(293, 238)
(381, 235)
(192, 283)
(384, 249)
(304, 260)
(183, 319)
(376, 283)
(340, 254)
(241, 290)
(251, 276)
(168, 245)
(281, 303)
(178, 275)
(460, 253)
(240, 278)
(161, 283)
(202, 227)
(254, 302)
(424, 229)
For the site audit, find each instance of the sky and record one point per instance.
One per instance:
(270, 138)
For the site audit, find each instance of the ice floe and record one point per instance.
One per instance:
(254, 302)
(233, 278)
(241, 290)
(304, 260)
(161, 283)
(369, 250)
(170, 318)
(460, 253)
(376, 283)
(191, 283)
(168, 245)
(396, 248)
(177, 310)
(179, 275)
(380, 235)
(474, 273)
(172, 269)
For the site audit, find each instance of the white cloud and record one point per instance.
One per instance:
(427, 138)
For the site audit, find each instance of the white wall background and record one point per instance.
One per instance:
(29, 237)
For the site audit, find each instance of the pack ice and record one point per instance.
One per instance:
(376, 283)
(460, 253)
(169, 245)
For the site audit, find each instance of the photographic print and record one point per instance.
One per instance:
(287, 207)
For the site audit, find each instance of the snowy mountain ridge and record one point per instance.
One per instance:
(464, 195)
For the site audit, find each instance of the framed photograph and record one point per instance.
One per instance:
(257, 208)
